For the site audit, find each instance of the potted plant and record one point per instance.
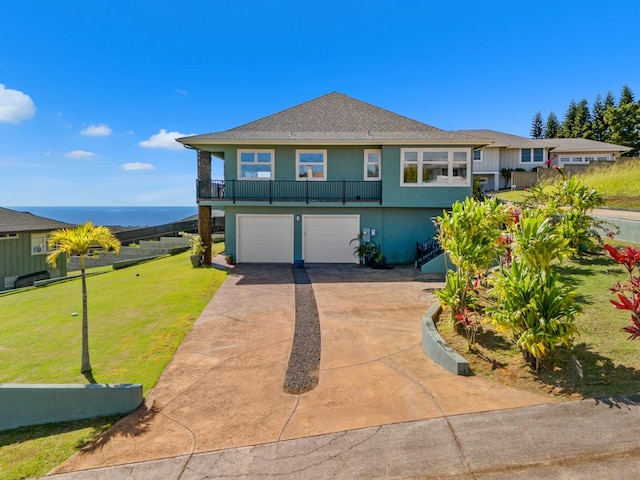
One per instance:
(196, 248)
(229, 259)
(365, 251)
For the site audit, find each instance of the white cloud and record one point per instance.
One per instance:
(101, 130)
(164, 139)
(15, 106)
(79, 154)
(137, 166)
(181, 91)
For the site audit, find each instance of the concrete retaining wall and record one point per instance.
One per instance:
(34, 404)
(437, 349)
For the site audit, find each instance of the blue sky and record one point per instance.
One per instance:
(93, 93)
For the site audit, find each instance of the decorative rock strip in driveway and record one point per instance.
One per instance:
(304, 362)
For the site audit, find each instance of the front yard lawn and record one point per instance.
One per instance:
(138, 317)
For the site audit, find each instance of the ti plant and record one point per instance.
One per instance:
(628, 292)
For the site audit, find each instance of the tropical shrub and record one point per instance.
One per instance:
(528, 300)
(469, 236)
(535, 308)
(628, 293)
(568, 203)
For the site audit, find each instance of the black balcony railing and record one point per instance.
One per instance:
(291, 191)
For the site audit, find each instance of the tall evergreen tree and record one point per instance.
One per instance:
(537, 128)
(609, 100)
(569, 120)
(552, 127)
(626, 96)
(599, 127)
(625, 126)
(582, 121)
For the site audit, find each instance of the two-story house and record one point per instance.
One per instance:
(301, 184)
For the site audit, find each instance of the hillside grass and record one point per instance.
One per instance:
(619, 183)
(138, 317)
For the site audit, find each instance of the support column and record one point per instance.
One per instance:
(204, 229)
(204, 211)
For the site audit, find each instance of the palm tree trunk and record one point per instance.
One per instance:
(86, 362)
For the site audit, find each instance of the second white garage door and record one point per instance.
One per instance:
(326, 238)
(264, 238)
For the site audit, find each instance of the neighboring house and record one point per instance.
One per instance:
(513, 151)
(23, 249)
(300, 184)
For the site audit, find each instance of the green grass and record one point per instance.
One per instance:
(611, 362)
(138, 316)
(619, 183)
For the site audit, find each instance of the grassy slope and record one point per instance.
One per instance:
(619, 183)
(138, 316)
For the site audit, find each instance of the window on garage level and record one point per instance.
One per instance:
(311, 164)
(256, 164)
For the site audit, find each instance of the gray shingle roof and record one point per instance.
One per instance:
(333, 117)
(555, 145)
(565, 145)
(12, 221)
(501, 139)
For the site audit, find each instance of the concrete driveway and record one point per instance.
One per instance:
(223, 388)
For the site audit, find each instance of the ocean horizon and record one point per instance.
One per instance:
(113, 216)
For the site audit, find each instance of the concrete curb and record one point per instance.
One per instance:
(436, 348)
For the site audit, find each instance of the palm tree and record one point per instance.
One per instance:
(78, 241)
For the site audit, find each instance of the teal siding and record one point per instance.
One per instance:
(395, 195)
(397, 229)
(347, 163)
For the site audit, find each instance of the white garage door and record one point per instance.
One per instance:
(326, 238)
(264, 238)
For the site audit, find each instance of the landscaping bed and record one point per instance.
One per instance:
(610, 361)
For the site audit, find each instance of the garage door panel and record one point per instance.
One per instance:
(265, 238)
(327, 238)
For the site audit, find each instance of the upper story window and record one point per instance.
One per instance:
(38, 243)
(434, 166)
(477, 155)
(311, 164)
(256, 164)
(528, 155)
(372, 164)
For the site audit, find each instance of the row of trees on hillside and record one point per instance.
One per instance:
(605, 120)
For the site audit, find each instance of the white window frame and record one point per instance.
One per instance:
(255, 162)
(8, 236)
(324, 166)
(366, 164)
(450, 165)
(39, 243)
(479, 150)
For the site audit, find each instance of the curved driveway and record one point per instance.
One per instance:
(223, 388)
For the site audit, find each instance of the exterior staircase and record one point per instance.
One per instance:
(430, 256)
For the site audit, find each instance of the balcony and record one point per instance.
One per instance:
(270, 191)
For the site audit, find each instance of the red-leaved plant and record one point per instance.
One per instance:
(629, 291)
